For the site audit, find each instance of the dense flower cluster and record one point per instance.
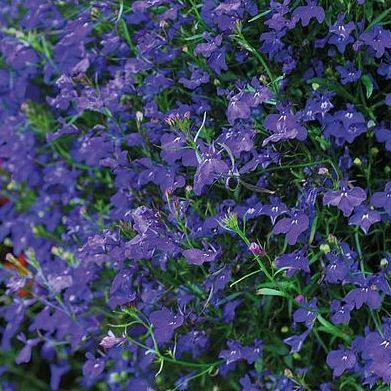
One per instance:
(195, 194)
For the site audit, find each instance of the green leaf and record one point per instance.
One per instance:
(379, 19)
(270, 292)
(331, 329)
(366, 80)
(368, 10)
(260, 15)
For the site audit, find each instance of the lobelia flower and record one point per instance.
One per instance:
(383, 135)
(24, 355)
(307, 12)
(264, 158)
(56, 373)
(238, 139)
(340, 312)
(337, 270)
(229, 310)
(164, 324)
(238, 108)
(306, 313)
(348, 73)
(296, 341)
(293, 262)
(345, 199)
(195, 256)
(367, 294)
(382, 199)
(259, 93)
(197, 78)
(345, 125)
(213, 52)
(193, 342)
(378, 39)
(317, 106)
(246, 384)
(236, 352)
(110, 340)
(256, 249)
(93, 367)
(275, 209)
(284, 126)
(341, 360)
(377, 351)
(292, 226)
(340, 33)
(364, 218)
(209, 169)
(384, 69)
(387, 100)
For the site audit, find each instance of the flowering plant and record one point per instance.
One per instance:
(195, 194)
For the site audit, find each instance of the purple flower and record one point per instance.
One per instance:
(238, 108)
(387, 100)
(337, 269)
(293, 262)
(258, 94)
(229, 310)
(236, 352)
(256, 249)
(56, 373)
(341, 360)
(364, 218)
(382, 199)
(164, 323)
(284, 126)
(306, 313)
(340, 312)
(93, 367)
(209, 169)
(24, 355)
(110, 340)
(383, 135)
(376, 350)
(197, 78)
(307, 12)
(213, 51)
(378, 39)
(296, 341)
(275, 209)
(195, 256)
(340, 33)
(345, 199)
(194, 342)
(292, 226)
(367, 293)
(348, 73)
(345, 125)
(246, 384)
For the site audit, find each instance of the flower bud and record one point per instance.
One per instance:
(324, 248)
(256, 249)
(384, 263)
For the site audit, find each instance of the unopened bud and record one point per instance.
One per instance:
(299, 299)
(384, 263)
(323, 171)
(139, 116)
(374, 151)
(256, 249)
